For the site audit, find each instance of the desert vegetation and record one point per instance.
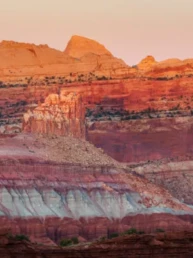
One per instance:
(19, 237)
(69, 241)
(99, 113)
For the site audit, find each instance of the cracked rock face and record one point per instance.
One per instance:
(62, 114)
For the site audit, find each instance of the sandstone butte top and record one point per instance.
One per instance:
(147, 63)
(82, 55)
(79, 46)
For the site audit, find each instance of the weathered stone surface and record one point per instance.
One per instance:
(62, 114)
(18, 60)
(143, 139)
(170, 68)
(59, 186)
(79, 46)
(146, 63)
(48, 195)
(174, 175)
(131, 95)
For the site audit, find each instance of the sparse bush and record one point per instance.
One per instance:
(113, 235)
(102, 238)
(162, 78)
(19, 237)
(75, 240)
(131, 231)
(22, 238)
(67, 241)
(140, 232)
(175, 108)
(159, 230)
(102, 78)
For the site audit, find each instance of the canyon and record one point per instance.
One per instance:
(90, 146)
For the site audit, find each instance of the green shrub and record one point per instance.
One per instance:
(19, 237)
(140, 232)
(65, 242)
(113, 235)
(102, 238)
(131, 231)
(75, 240)
(159, 230)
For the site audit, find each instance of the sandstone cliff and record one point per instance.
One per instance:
(57, 187)
(169, 68)
(147, 63)
(80, 46)
(175, 175)
(82, 56)
(62, 114)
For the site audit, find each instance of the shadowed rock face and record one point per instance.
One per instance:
(144, 139)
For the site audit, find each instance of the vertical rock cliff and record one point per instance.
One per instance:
(61, 114)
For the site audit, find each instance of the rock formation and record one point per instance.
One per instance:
(65, 185)
(82, 56)
(62, 114)
(53, 183)
(146, 63)
(170, 68)
(79, 46)
(144, 139)
(175, 175)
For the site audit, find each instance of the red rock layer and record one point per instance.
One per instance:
(52, 230)
(156, 245)
(47, 199)
(131, 95)
(143, 139)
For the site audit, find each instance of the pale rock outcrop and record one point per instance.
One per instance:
(62, 114)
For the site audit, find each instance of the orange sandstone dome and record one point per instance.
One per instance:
(82, 55)
(147, 63)
(79, 46)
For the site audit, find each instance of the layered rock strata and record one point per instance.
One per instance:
(81, 56)
(174, 175)
(46, 196)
